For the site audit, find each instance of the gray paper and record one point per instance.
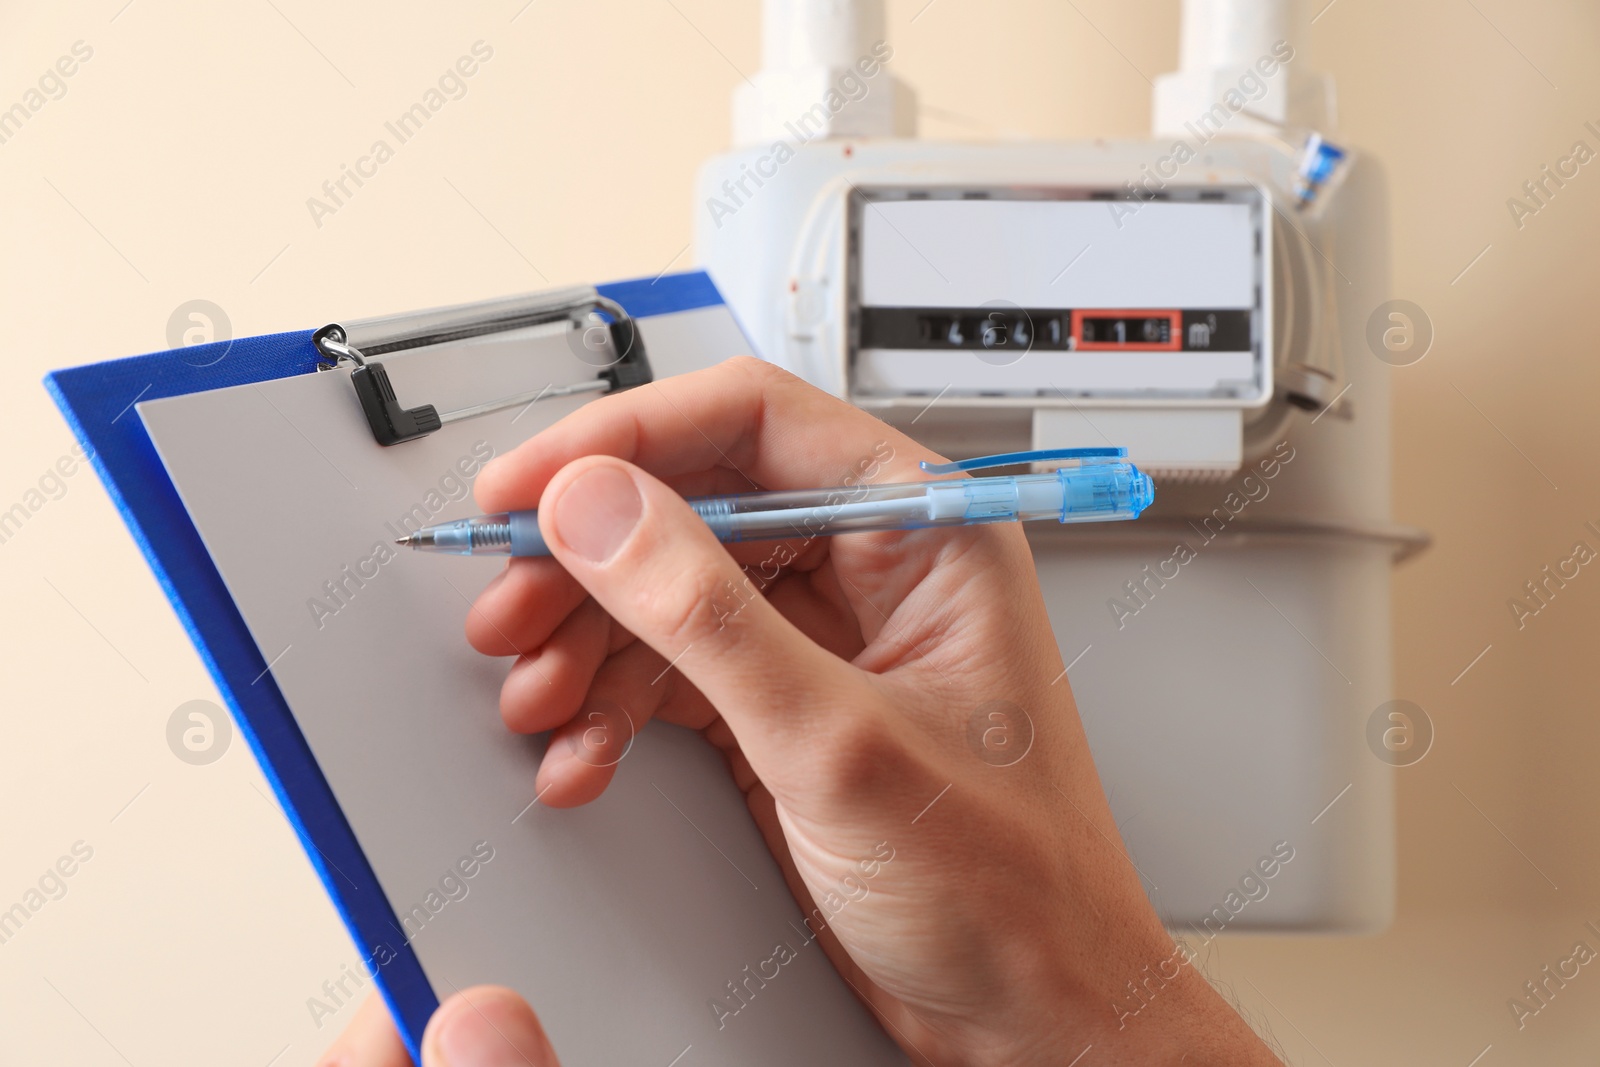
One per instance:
(621, 922)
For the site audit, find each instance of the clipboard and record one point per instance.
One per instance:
(613, 328)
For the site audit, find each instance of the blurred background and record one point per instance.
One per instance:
(175, 163)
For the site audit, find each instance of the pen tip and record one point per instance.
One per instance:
(407, 540)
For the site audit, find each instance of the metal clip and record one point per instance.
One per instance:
(393, 423)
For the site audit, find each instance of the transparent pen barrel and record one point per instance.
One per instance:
(1091, 493)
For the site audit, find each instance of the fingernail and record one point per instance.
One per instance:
(491, 1033)
(597, 512)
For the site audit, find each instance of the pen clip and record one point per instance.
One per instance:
(1040, 455)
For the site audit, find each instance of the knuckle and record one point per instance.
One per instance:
(857, 755)
(748, 364)
(763, 374)
(691, 607)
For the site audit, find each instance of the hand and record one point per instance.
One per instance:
(893, 706)
(485, 1026)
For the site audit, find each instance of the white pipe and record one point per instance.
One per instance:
(797, 34)
(824, 69)
(1222, 42)
(1235, 33)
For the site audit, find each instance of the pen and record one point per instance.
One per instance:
(1102, 487)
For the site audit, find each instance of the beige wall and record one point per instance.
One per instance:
(178, 164)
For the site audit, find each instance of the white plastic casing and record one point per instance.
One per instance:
(1226, 699)
(1035, 242)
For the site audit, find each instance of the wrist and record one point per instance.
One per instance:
(1164, 1013)
(1167, 1014)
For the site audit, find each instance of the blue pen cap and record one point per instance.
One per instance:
(1098, 491)
(1142, 493)
(1103, 486)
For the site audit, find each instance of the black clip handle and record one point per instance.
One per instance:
(390, 422)
(632, 367)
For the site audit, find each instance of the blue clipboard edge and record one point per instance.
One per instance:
(97, 401)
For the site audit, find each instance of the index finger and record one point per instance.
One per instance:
(369, 1041)
(771, 428)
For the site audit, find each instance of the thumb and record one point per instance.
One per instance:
(486, 1026)
(652, 562)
